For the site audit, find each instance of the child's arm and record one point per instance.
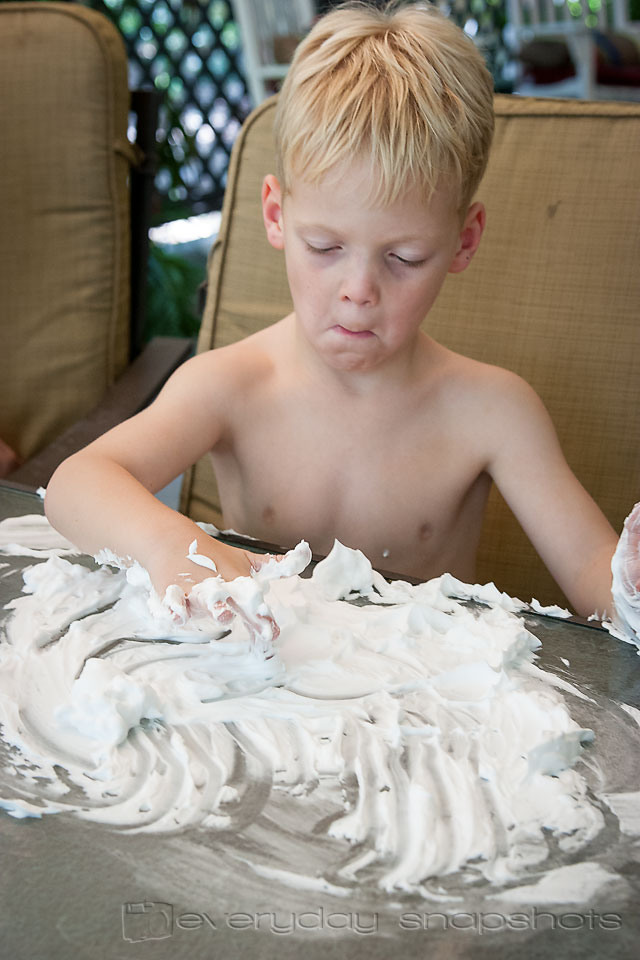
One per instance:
(567, 528)
(103, 495)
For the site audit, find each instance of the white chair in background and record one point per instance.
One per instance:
(269, 30)
(553, 19)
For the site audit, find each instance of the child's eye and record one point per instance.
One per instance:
(407, 263)
(319, 250)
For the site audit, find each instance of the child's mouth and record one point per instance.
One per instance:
(353, 334)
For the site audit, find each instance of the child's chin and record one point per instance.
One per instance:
(356, 362)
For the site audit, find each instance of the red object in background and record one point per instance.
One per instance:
(617, 60)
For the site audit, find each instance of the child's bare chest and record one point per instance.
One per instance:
(401, 489)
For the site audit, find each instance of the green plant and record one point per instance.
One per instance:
(172, 294)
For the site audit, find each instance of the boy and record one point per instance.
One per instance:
(344, 419)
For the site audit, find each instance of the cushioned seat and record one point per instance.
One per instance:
(553, 293)
(65, 172)
(64, 241)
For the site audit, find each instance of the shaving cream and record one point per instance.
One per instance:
(418, 723)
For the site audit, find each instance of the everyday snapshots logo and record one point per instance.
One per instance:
(153, 920)
(147, 920)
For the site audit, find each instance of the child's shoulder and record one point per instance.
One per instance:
(483, 392)
(471, 376)
(489, 409)
(239, 364)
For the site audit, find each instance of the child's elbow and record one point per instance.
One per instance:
(60, 488)
(52, 493)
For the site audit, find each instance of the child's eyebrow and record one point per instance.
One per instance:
(333, 232)
(303, 225)
(411, 238)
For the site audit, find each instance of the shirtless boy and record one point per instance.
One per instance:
(345, 419)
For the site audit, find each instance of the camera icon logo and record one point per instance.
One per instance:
(147, 920)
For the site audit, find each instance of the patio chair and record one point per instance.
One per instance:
(74, 195)
(553, 294)
(589, 51)
(270, 31)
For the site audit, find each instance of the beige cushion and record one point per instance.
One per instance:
(64, 234)
(553, 294)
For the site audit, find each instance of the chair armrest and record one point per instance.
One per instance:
(133, 391)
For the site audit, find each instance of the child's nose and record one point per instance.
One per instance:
(360, 285)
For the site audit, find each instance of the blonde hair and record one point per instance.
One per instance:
(402, 87)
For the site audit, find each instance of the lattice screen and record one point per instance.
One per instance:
(190, 51)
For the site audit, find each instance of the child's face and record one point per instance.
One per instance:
(364, 277)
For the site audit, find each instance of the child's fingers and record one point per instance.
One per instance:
(273, 626)
(263, 629)
(176, 602)
(222, 612)
(632, 555)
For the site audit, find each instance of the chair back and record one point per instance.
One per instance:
(270, 31)
(553, 294)
(598, 43)
(546, 16)
(64, 197)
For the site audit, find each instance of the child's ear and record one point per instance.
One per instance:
(469, 238)
(272, 211)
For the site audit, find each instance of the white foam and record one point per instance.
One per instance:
(33, 536)
(575, 883)
(626, 807)
(446, 747)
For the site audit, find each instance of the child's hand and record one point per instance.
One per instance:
(626, 576)
(210, 558)
(631, 559)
